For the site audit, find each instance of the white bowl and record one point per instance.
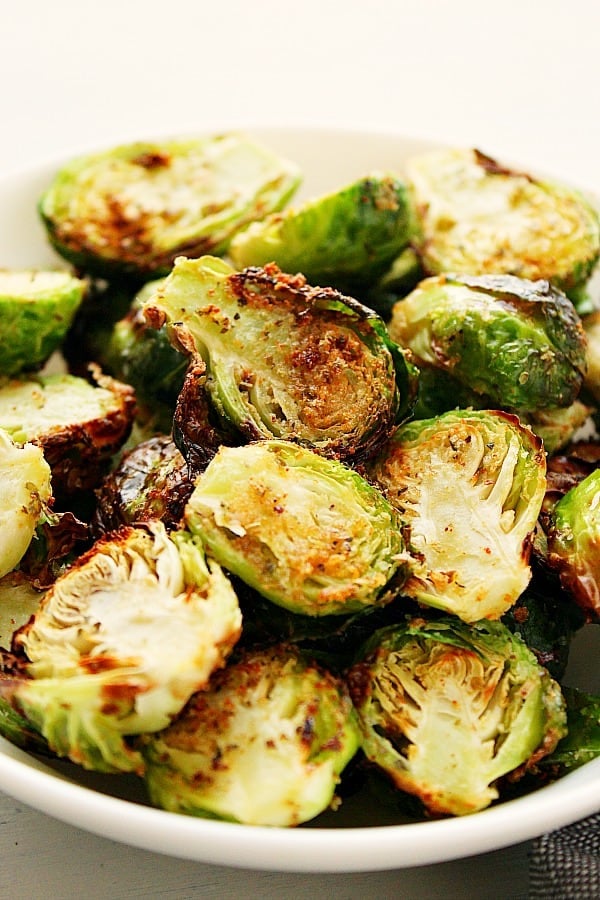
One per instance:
(357, 837)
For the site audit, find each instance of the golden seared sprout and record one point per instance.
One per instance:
(347, 237)
(284, 359)
(132, 209)
(574, 542)
(264, 745)
(150, 482)
(519, 343)
(25, 479)
(77, 424)
(481, 217)
(306, 532)
(36, 310)
(447, 709)
(121, 641)
(470, 485)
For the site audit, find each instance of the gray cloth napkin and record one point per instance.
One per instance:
(565, 864)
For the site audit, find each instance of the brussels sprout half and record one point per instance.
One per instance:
(478, 216)
(574, 542)
(78, 425)
(283, 359)
(520, 343)
(264, 745)
(447, 709)
(131, 210)
(121, 641)
(347, 237)
(306, 532)
(25, 479)
(36, 310)
(470, 485)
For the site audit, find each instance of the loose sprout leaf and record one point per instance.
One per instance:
(264, 745)
(122, 640)
(132, 209)
(325, 374)
(517, 342)
(306, 532)
(478, 216)
(36, 311)
(469, 484)
(446, 709)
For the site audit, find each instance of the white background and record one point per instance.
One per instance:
(517, 79)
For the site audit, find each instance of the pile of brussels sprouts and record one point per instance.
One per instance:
(309, 487)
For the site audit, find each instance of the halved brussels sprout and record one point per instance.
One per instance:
(78, 425)
(447, 709)
(520, 343)
(481, 217)
(132, 209)
(574, 542)
(150, 482)
(470, 485)
(306, 532)
(346, 237)
(283, 359)
(25, 479)
(36, 310)
(121, 641)
(264, 745)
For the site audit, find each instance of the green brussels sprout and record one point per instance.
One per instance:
(264, 745)
(120, 643)
(478, 216)
(77, 424)
(36, 310)
(347, 237)
(25, 478)
(324, 374)
(574, 542)
(520, 343)
(469, 485)
(132, 209)
(150, 482)
(447, 709)
(306, 532)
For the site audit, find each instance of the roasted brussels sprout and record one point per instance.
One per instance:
(574, 542)
(347, 237)
(325, 374)
(120, 643)
(25, 478)
(470, 486)
(36, 310)
(150, 482)
(281, 731)
(306, 532)
(447, 709)
(481, 217)
(78, 425)
(520, 343)
(131, 210)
